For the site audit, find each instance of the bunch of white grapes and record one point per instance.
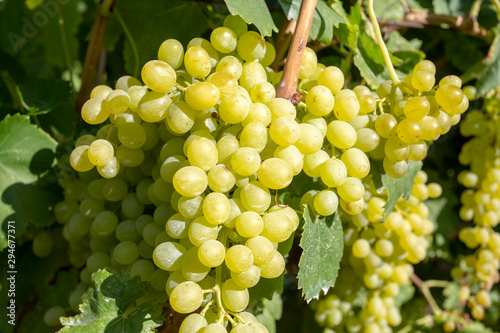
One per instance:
(377, 260)
(480, 206)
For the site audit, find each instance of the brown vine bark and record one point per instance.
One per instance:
(288, 84)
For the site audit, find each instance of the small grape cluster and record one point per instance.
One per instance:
(478, 272)
(378, 259)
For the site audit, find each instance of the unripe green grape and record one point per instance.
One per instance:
(186, 297)
(211, 253)
(125, 253)
(79, 159)
(313, 163)
(158, 75)
(176, 227)
(252, 73)
(245, 161)
(310, 139)
(255, 197)
(346, 105)
(190, 208)
(386, 125)
(274, 267)
(202, 95)
(418, 151)
(216, 208)
(326, 203)
(234, 109)
(193, 323)
(129, 157)
(281, 107)
(308, 64)
(94, 111)
(200, 230)
(132, 135)
(225, 83)
(333, 172)
(292, 156)
(284, 131)
(52, 315)
(356, 162)
(341, 134)
(230, 65)
(332, 78)
(251, 46)
(153, 106)
(190, 181)
(192, 268)
(115, 190)
(258, 112)
(136, 93)
(171, 52)
(395, 169)
(320, 101)
(223, 39)
(197, 62)
(275, 173)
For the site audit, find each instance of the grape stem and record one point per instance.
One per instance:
(131, 40)
(424, 287)
(381, 44)
(288, 83)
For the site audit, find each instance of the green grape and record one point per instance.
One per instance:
(186, 297)
(426, 65)
(341, 134)
(152, 136)
(269, 56)
(202, 153)
(361, 248)
(101, 91)
(216, 208)
(234, 297)
(262, 92)
(236, 23)
(225, 83)
(255, 197)
(444, 121)
(308, 64)
(85, 140)
(395, 169)
(142, 268)
(129, 157)
(239, 258)
(258, 112)
(418, 151)
(221, 179)
(292, 156)
(423, 80)
(52, 315)
(275, 173)
(177, 226)
(417, 108)
(114, 190)
(223, 39)
(386, 125)
(262, 249)
(105, 223)
(320, 101)
(356, 162)
(449, 96)
(91, 207)
(230, 65)
(192, 268)
(333, 172)
(395, 149)
(310, 139)
(252, 73)
(367, 140)
(94, 111)
(211, 253)
(248, 278)
(202, 95)
(158, 75)
(207, 46)
(277, 226)
(132, 135)
(351, 190)
(332, 78)
(254, 135)
(126, 82)
(281, 107)
(274, 267)
(171, 52)
(197, 62)
(190, 181)
(313, 163)
(132, 208)
(249, 224)
(191, 208)
(117, 101)
(43, 244)
(251, 46)
(226, 146)
(326, 203)
(79, 159)
(367, 104)
(284, 131)
(169, 255)
(346, 105)
(200, 230)
(125, 253)
(319, 122)
(430, 128)
(153, 106)
(234, 109)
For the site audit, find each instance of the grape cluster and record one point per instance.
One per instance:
(480, 201)
(377, 261)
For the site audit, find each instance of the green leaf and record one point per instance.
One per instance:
(396, 187)
(406, 293)
(26, 154)
(272, 309)
(476, 327)
(451, 296)
(452, 7)
(266, 288)
(32, 4)
(108, 306)
(40, 96)
(253, 12)
(389, 9)
(323, 243)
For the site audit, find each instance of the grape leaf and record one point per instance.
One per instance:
(266, 288)
(476, 327)
(40, 96)
(271, 311)
(253, 12)
(396, 187)
(452, 7)
(108, 306)
(406, 293)
(323, 243)
(26, 154)
(451, 296)
(389, 9)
